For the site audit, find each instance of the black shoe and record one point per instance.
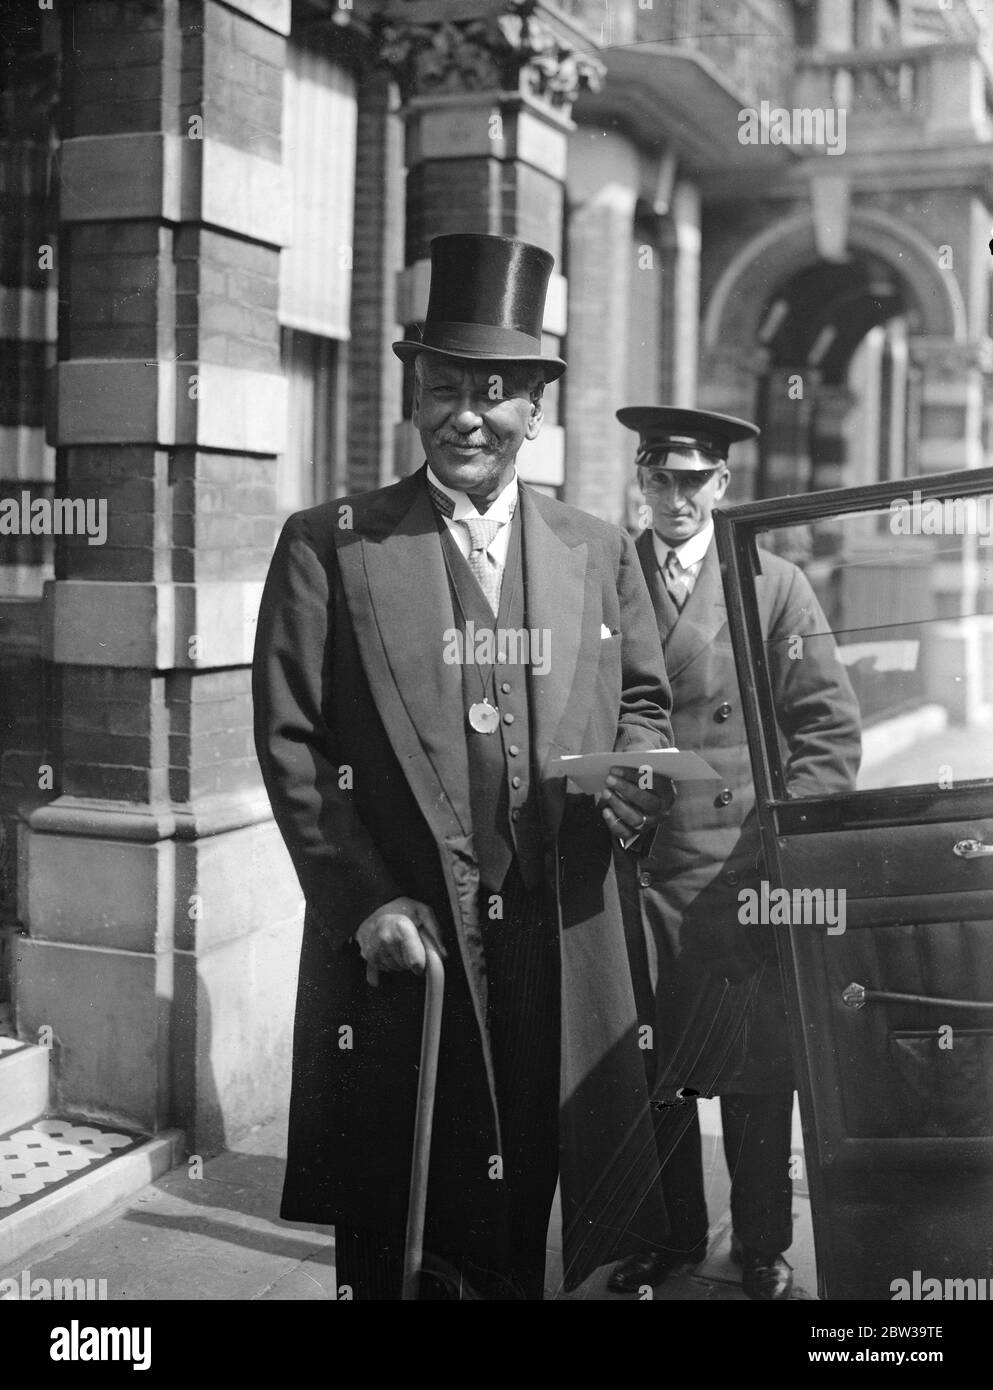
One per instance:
(767, 1278)
(636, 1271)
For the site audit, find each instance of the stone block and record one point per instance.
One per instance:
(109, 1012)
(231, 885)
(110, 893)
(232, 1033)
(155, 626)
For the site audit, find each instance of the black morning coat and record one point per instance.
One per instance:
(360, 731)
(682, 905)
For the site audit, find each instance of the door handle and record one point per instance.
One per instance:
(856, 996)
(972, 849)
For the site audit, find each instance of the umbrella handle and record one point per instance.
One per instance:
(434, 989)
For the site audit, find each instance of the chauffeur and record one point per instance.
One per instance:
(413, 797)
(710, 986)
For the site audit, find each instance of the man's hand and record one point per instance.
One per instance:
(629, 809)
(390, 937)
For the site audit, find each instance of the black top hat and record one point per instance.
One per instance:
(688, 440)
(487, 302)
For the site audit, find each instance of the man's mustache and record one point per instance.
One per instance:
(467, 441)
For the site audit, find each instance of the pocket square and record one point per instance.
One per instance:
(605, 631)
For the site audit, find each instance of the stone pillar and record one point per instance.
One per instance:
(486, 105)
(604, 182)
(600, 267)
(732, 385)
(686, 292)
(28, 303)
(161, 907)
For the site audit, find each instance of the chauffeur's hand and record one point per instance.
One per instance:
(390, 937)
(629, 809)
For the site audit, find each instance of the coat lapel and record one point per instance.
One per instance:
(701, 619)
(558, 601)
(665, 610)
(394, 577)
(393, 574)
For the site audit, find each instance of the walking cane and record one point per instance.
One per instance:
(434, 989)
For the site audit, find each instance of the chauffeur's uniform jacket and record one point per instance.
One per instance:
(696, 967)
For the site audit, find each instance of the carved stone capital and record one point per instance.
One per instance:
(512, 49)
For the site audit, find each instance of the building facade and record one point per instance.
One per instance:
(216, 219)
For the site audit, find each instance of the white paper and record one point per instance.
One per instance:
(589, 770)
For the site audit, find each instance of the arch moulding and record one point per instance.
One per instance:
(750, 280)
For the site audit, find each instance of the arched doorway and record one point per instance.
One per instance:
(789, 338)
(832, 392)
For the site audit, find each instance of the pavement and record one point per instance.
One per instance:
(211, 1231)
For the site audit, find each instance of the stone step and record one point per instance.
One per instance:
(57, 1173)
(23, 1083)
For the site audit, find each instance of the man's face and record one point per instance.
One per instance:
(682, 500)
(472, 419)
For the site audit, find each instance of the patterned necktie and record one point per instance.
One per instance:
(488, 572)
(675, 581)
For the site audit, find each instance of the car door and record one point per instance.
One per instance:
(890, 1004)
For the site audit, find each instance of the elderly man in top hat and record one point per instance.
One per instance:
(406, 758)
(709, 985)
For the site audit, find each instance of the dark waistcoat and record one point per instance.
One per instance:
(504, 798)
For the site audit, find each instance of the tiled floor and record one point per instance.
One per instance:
(43, 1155)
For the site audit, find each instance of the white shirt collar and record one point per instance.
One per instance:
(500, 509)
(691, 552)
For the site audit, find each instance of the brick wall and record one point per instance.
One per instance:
(211, 746)
(227, 300)
(121, 76)
(118, 276)
(232, 76)
(451, 196)
(374, 375)
(532, 205)
(113, 733)
(28, 221)
(223, 508)
(156, 292)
